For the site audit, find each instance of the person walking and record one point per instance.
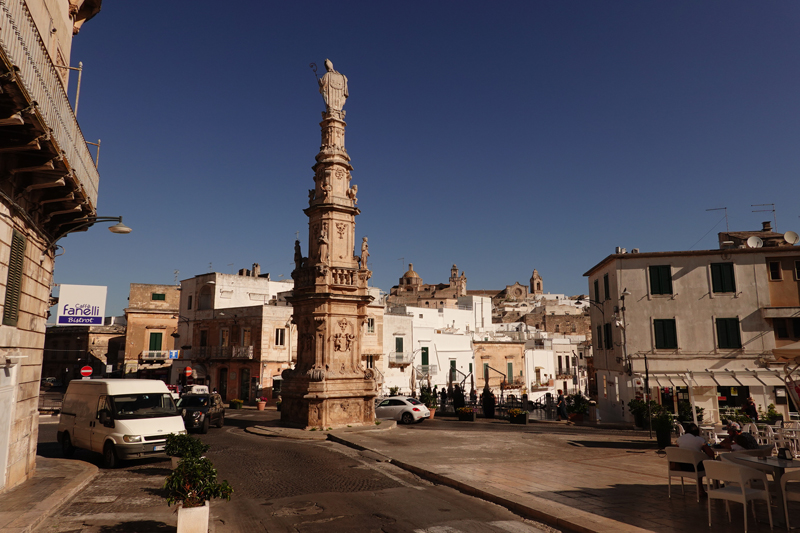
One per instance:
(750, 409)
(561, 407)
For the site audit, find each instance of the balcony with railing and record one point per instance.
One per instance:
(427, 370)
(400, 358)
(22, 44)
(219, 352)
(154, 355)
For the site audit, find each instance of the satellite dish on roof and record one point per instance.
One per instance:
(791, 237)
(754, 242)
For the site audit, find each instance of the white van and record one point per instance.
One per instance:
(120, 418)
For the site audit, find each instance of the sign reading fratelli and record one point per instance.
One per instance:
(81, 305)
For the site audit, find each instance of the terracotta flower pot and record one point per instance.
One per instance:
(261, 405)
(433, 412)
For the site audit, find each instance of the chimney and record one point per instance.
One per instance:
(256, 270)
(766, 226)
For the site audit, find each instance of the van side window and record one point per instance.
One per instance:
(102, 403)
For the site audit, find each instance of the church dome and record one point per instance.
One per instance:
(410, 274)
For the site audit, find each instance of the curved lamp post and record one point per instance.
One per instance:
(118, 228)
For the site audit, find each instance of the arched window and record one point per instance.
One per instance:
(206, 298)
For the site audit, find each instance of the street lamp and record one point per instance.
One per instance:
(118, 228)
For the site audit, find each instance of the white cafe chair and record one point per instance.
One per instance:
(682, 455)
(737, 488)
(789, 496)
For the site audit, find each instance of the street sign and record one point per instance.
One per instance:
(174, 354)
(86, 371)
(188, 371)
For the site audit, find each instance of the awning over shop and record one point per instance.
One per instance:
(762, 377)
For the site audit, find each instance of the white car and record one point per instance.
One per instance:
(402, 409)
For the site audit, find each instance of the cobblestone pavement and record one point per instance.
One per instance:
(281, 485)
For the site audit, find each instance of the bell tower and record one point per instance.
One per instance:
(328, 387)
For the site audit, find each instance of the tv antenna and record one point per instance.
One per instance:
(176, 276)
(772, 209)
(727, 229)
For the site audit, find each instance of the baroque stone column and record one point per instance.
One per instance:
(328, 387)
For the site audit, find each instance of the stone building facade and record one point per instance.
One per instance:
(152, 318)
(503, 363)
(412, 291)
(48, 187)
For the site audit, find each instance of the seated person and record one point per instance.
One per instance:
(742, 442)
(692, 440)
(735, 430)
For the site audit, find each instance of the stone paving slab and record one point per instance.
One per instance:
(26, 506)
(574, 478)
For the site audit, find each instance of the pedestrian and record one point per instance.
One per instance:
(561, 406)
(750, 409)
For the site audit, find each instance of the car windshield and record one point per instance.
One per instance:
(148, 405)
(413, 401)
(192, 401)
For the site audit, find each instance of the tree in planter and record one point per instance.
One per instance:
(685, 412)
(193, 482)
(393, 391)
(185, 446)
(427, 397)
(577, 404)
(663, 424)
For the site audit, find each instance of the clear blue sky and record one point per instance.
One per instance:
(500, 136)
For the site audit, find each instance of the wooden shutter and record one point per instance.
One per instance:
(424, 356)
(666, 334)
(722, 279)
(728, 336)
(660, 279)
(14, 281)
(398, 344)
(155, 342)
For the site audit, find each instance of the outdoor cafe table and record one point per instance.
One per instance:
(776, 467)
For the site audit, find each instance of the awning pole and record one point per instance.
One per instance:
(691, 400)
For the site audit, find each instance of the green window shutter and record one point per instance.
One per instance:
(728, 335)
(155, 342)
(666, 334)
(425, 356)
(14, 281)
(596, 290)
(485, 370)
(605, 287)
(157, 296)
(510, 377)
(660, 279)
(470, 368)
(398, 344)
(599, 337)
(722, 279)
(609, 338)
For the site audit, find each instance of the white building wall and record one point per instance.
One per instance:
(395, 326)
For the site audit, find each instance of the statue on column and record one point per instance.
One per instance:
(364, 253)
(333, 87)
(298, 255)
(323, 246)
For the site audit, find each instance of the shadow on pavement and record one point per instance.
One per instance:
(622, 445)
(138, 526)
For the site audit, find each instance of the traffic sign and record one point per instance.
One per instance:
(86, 371)
(188, 371)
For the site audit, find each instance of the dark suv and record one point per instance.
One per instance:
(201, 410)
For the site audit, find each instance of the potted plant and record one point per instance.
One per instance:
(236, 403)
(466, 414)
(262, 403)
(427, 397)
(663, 425)
(577, 407)
(518, 416)
(184, 445)
(685, 412)
(394, 391)
(191, 485)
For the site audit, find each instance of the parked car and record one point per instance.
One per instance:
(51, 382)
(402, 409)
(199, 411)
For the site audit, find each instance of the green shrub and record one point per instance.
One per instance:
(427, 397)
(393, 391)
(578, 404)
(193, 482)
(185, 446)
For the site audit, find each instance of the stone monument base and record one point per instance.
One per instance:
(328, 404)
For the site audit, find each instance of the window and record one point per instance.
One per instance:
(560, 366)
(609, 339)
(605, 287)
(470, 368)
(660, 279)
(485, 371)
(398, 344)
(775, 273)
(155, 341)
(599, 337)
(203, 337)
(779, 325)
(247, 337)
(370, 325)
(280, 336)
(424, 356)
(14, 280)
(722, 279)
(797, 270)
(665, 333)
(158, 296)
(728, 337)
(596, 290)
(190, 302)
(224, 337)
(557, 328)
(510, 372)
(796, 327)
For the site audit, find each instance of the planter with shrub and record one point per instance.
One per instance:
(236, 403)
(466, 414)
(184, 445)
(518, 416)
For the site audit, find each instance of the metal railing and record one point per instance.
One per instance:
(400, 358)
(24, 48)
(154, 355)
(219, 352)
(427, 370)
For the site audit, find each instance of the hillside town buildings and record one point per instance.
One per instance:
(48, 188)
(698, 326)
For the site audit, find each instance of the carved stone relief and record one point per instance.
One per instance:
(340, 228)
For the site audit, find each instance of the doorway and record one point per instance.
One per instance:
(223, 384)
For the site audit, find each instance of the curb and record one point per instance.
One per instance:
(42, 510)
(302, 434)
(551, 513)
